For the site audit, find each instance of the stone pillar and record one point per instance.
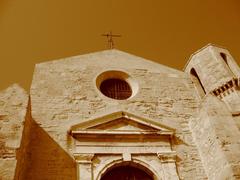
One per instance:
(168, 161)
(84, 166)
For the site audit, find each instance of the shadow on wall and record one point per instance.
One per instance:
(47, 159)
(44, 158)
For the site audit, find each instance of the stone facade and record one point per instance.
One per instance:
(175, 124)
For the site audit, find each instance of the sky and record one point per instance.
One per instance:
(167, 32)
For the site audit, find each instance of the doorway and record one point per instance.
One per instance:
(126, 172)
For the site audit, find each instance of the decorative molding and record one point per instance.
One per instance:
(127, 156)
(166, 157)
(83, 158)
(226, 88)
(121, 114)
(131, 126)
(119, 132)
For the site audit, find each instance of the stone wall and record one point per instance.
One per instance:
(26, 150)
(64, 93)
(35, 142)
(46, 159)
(217, 137)
(237, 120)
(13, 108)
(211, 68)
(23, 162)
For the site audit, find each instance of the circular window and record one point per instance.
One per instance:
(116, 85)
(116, 89)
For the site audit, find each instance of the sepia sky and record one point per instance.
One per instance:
(33, 31)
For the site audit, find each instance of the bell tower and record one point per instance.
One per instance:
(214, 71)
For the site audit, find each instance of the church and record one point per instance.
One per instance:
(112, 115)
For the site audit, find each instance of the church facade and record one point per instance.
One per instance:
(113, 115)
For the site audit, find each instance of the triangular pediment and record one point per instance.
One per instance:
(121, 122)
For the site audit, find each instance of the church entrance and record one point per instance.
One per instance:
(123, 146)
(126, 173)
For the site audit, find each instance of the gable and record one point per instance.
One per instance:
(120, 123)
(123, 124)
(121, 132)
(112, 58)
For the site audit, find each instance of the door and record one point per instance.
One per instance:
(126, 173)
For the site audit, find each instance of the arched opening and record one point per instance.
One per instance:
(127, 172)
(196, 79)
(224, 57)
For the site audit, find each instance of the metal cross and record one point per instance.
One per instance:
(110, 39)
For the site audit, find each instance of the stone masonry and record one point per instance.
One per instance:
(175, 124)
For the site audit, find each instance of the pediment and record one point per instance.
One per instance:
(121, 123)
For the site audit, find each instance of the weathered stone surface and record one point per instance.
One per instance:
(13, 108)
(176, 125)
(165, 95)
(217, 138)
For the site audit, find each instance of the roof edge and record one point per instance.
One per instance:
(201, 49)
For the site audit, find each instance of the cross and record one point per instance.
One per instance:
(110, 39)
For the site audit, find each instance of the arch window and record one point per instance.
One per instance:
(225, 58)
(197, 80)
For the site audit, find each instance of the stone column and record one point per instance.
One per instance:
(168, 161)
(84, 166)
